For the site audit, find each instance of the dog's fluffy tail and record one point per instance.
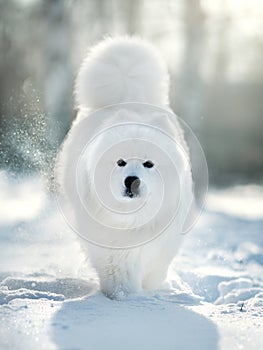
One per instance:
(124, 69)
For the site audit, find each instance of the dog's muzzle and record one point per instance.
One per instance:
(132, 184)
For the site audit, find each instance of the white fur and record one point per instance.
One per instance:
(123, 70)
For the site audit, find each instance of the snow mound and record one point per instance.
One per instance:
(6, 295)
(44, 287)
(238, 290)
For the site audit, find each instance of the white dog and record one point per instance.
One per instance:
(129, 167)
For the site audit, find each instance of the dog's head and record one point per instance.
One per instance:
(129, 159)
(129, 172)
(124, 164)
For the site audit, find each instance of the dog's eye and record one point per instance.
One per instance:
(121, 162)
(148, 164)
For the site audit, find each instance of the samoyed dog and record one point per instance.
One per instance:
(124, 170)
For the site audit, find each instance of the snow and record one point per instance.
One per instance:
(240, 201)
(49, 296)
(16, 201)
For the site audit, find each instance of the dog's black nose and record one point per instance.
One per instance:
(132, 184)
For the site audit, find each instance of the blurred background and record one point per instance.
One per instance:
(213, 49)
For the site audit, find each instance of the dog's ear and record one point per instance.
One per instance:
(170, 125)
(163, 121)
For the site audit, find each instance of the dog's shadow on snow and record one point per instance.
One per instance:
(138, 322)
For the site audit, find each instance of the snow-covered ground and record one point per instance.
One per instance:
(49, 298)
